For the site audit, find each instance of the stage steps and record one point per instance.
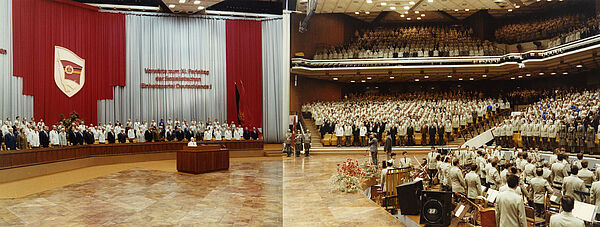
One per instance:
(314, 134)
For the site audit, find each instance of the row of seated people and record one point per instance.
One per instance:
(20, 135)
(539, 29)
(416, 41)
(410, 118)
(567, 119)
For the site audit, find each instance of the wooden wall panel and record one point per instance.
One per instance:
(323, 30)
(309, 90)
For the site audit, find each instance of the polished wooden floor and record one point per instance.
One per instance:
(253, 192)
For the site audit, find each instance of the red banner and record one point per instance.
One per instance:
(244, 69)
(40, 29)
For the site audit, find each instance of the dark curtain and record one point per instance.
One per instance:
(99, 38)
(244, 71)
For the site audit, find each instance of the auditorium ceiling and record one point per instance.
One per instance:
(192, 6)
(552, 67)
(427, 10)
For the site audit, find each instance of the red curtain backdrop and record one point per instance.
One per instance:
(244, 68)
(99, 38)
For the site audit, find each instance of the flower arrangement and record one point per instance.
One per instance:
(348, 177)
(370, 169)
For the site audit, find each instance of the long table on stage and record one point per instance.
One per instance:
(202, 159)
(29, 157)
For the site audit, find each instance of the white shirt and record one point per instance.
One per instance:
(54, 137)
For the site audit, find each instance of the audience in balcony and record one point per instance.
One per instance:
(414, 41)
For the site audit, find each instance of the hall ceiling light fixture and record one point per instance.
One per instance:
(579, 66)
(541, 74)
(417, 12)
(423, 15)
(411, 2)
(401, 15)
(520, 76)
(369, 1)
(417, 80)
(553, 74)
(335, 78)
(509, 10)
(471, 78)
(449, 76)
(426, 77)
(181, 1)
(418, 18)
(467, 10)
(392, 7)
(565, 73)
(512, 78)
(406, 7)
(408, 18)
(352, 81)
(383, 3)
(200, 7)
(483, 75)
(460, 79)
(171, 6)
(356, 13)
(363, 81)
(368, 78)
(367, 12)
(391, 77)
(528, 74)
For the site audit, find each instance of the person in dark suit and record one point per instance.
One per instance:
(72, 137)
(188, 134)
(179, 134)
(148, 136)
(440, 132)
(110, 136)
(79, 137)
(10, 140)
(88, 137)
(254, 133)
(387, 146)
(170, 135)
(44, 136)
(410, 131)
(155, 134)
(393, 132)
(122, 137)
(432, 133)
(1, 140)
(246, 134)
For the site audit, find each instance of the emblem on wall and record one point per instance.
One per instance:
(69, 71)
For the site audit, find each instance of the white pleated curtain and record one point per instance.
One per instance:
(273, 81)
(167, 42)
(12, 101)
(196, 43)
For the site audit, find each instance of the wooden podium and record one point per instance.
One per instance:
(202, 159)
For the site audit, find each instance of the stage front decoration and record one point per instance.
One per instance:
(69, 55)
